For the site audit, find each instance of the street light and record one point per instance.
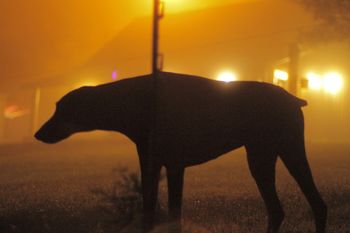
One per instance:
(86, 83)
(227, 76)
(331, 82)
(280, 75)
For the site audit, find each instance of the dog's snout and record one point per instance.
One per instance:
(40, 135)
(37, 135)
(54, 131)
(48, 132)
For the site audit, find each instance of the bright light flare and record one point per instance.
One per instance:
(280, 75)
(86, 83)
(182, 5)
(227, 76)
(315, 81)
(333, 82)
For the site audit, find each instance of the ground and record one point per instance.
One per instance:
(57, 189)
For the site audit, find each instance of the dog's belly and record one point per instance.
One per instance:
(208, 152)
(193, 149)
(193, 140)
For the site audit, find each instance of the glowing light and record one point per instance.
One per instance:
(333, 82)
(178, 5)
(281, 75)
(315, 81)
(86, 83)
(114, 75)
(227, 76)
(13, 111)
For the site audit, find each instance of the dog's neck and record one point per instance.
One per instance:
(117, 108)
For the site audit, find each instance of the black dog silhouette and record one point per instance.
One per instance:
(197, 120)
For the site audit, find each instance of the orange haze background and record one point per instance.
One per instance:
(50, 47)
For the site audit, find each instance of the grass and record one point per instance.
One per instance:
(74, 187)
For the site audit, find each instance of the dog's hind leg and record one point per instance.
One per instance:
(175, 177)
(293, 156)
(150, 174)
(262, 163)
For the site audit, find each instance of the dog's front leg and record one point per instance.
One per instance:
(150, 172)
(175, 177)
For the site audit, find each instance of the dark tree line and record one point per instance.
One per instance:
(333, 17)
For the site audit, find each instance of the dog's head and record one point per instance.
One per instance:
(69, 117)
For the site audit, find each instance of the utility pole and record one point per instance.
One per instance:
(158, 14)
(149, 176)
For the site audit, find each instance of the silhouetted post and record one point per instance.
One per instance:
(294, 55)
(158, 14)
(2, 118)
(36, 110)
(150, 177)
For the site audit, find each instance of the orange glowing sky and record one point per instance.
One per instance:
(42, 38)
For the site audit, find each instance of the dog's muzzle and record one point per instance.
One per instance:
(52, 132)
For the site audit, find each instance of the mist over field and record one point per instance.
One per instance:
(58, 189)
